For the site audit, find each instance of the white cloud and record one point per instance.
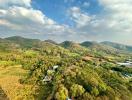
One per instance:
(114, 23)
(18, 13)
(8, 3)
(119, 15)
(86, 4)
(30, 20)
(21, 19)
(81, 19)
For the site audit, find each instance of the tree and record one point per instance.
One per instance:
(87, 96)
(62, 93)
(95, 91)
(76, 90)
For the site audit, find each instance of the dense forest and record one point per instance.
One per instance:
(32, 69)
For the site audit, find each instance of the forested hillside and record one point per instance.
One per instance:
(118, 46)
(32, 69)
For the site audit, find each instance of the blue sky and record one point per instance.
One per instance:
(75, 20)
(57, 9)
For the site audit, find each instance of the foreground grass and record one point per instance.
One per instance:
(9, 82)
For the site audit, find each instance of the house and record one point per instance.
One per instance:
(47, 79)
(68, 98)
(50, 73)
(55, 67)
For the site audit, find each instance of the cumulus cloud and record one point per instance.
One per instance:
(7, 3)
(119, 12)
(80, 18)
(19, 18)
(114, 23)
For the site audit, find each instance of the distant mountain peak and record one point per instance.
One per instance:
(23, 42)
(118, 46)
(51, 41)
(19, 37)
(67, 44)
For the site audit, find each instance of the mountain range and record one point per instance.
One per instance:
(106, 46)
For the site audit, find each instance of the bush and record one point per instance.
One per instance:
(76, 90)
(102, 88)
(87, 96)
(62, 93)
(95, 91)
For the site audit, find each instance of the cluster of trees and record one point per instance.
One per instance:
(78, 79)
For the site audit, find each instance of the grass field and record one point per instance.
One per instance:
(9, 82)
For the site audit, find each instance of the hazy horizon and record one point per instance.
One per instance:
(67, 40)
(61, 20)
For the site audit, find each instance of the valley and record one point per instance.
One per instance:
(31, 69)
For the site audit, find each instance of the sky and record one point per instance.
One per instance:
(74, 20)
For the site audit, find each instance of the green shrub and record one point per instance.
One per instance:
(76, 90)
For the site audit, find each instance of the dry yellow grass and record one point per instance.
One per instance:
(9, 81)
(11, 86)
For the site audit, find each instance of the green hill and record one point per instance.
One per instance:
(74, 47)
(118, 46)
(23, 42)
(6, 45)
(100, 47)
(51, 41)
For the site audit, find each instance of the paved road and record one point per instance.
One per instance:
(3, 96)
